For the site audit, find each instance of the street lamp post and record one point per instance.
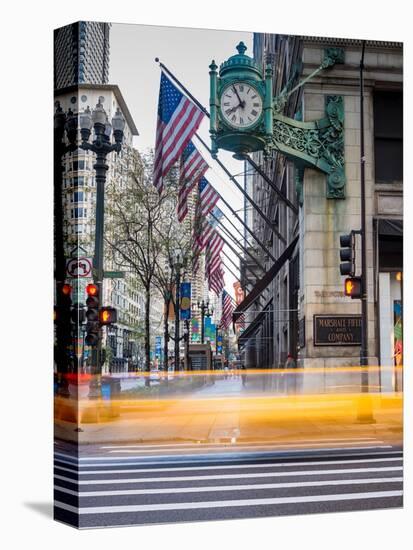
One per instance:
(64, 124)
(186, 339)
(102, 147)
(205, 312)
(177, 265)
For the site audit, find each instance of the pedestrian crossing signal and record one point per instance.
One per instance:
(352, 287)
(107, 315)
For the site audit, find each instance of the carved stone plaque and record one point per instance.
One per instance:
(337, 330)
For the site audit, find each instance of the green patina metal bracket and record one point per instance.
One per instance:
(317, 144)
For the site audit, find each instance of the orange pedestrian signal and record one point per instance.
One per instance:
(107, 315)
(352, 287)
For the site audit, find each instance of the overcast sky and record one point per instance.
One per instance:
(187, 53)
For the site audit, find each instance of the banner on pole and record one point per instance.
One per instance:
(185, 302)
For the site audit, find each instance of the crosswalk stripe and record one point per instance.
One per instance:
(258, 444)
(220, 467)
(229, 487)
(225, 503)
(231, 476)
(236, 448)
(211, 456)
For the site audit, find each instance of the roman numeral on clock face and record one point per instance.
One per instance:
(241, 105)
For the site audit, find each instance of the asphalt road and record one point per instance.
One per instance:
(103, 487)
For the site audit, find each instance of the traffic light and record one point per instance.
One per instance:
(352, 287)
(63, 303)
(347, 254)
(107, 315)
(92, 315)
(77, 315)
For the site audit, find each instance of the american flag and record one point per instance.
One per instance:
(203, 231)
(241, 322)
(214, 245)
(227, 309)
(215, 216)
(208, 197)
(193, 167)
(216, 280)
(178, 120)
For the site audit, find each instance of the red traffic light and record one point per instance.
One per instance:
(352, 287)
(92, 290)
(107, 315)
(66, 289)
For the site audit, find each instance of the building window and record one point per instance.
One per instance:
(78, 213)
(388, 137)
(77, 196)
(78, 165)
(78, 181)
(79, 228)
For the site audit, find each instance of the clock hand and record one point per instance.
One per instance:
(241, 103)
(234, 108)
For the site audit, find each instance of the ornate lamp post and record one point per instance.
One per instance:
(177, 265)
(65, 126)
(102, 146)
(206, 311)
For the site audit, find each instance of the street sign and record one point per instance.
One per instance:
(79, 267)
(114, 274)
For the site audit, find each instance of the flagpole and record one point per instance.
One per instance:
(243, 237)
(224, 168)
(236, 252)
(267, 220)
(188, 93)
(232, 261)
(243, 224)
(230, 270)
(231, 223)
(237, 243)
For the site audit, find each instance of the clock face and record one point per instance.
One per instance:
(241, 105)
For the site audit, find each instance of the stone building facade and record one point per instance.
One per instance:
(284, 319)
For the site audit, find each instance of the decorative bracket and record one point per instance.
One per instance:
(318, 144)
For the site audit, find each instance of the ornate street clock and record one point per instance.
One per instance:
(241, 105)
(246, 118)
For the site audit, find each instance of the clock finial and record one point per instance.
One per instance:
(241, 48)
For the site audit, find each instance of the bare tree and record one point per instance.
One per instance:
(140, 221)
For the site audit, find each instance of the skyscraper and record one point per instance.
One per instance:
(81, 54)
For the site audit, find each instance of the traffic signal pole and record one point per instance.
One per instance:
(364, 312)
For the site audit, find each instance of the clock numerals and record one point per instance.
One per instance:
(241, 105)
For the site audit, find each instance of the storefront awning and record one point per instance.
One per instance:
(254, 326)
(390, 228)
(262, 284)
